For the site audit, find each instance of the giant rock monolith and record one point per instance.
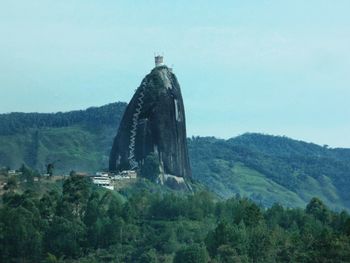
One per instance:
(154, 123)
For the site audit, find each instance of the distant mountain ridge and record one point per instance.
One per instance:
(272, 169)
(77, 140)
(264, 168)
(18, 122)
(284, 146)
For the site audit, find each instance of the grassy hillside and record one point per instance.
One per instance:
(265, 168)
(70, 147)
(272, 169)
(79, 140)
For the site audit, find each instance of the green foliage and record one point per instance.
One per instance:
(81, 224)
(11, 183)
(260, 245)
(227, 254)
(318, 210)
(21, 122)
(234, 236)
(20, 235)
(28, 174)
(270, 169)
(191, 254)
(149, 257)
(50, 168)
(76, 191)
(80, 139)
(65, 237)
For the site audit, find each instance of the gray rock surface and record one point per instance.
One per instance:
(154, 122)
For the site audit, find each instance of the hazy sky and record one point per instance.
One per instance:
(276, 67)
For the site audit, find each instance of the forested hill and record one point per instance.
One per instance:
(272, 169)
(18, 122)
(79, 223)
(264, 168)
(284, 146)
(76, 140)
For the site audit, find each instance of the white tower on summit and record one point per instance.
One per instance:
(159, 60)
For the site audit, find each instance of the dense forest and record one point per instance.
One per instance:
(294, 170)
(78, 140)
(17, 122)
(81, 223)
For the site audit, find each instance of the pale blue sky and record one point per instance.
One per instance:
(276, 67)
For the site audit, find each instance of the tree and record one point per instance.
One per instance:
(47, 205)
(260, 244)
(76, 192)
(318, 210)
(225, 234)
(92, 220)
(50, 168)
(149, 256)
(52, 259)
(227, 254)
(11, 184)
(199, 205)
(111, 232)
(65, 237)
(20, 237)
(251, 214)
(27, 174)
(347, 227)
(191, 254)
(92, 209)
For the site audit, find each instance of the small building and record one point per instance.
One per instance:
(130, 174)
(159, 60)
(102, 174)
(103, 181)
(117, 177)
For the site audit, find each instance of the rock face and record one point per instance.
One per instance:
(154, 122)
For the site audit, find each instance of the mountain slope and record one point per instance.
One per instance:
(265, 168)
(78, 140)
(279, 169)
